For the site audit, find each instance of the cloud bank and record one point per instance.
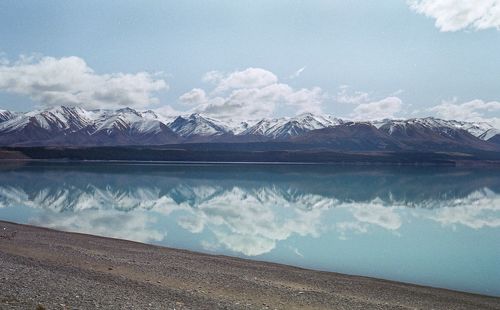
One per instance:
(70, 81)
(475, 111)
(253, 92)
(454, 15)
(385, 108)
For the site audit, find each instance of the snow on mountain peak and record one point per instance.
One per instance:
(74, 119)
(488, 134)
(6, 115)
(58, 118)
(291, 126)
(128, 119)
(198, 125)
(477, 129)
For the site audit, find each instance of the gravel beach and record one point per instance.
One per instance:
(48, 269)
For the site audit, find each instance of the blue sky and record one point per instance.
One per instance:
(360, 58)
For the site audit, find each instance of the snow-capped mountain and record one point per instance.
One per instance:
(126, 119)
(489, 134)
(418, 126)
(285, 127)
(54, 119)
(36, 127)
(432, 132)
(477, 129)
(6, 115)
(198, 125)
(350, 136)
(74, 126)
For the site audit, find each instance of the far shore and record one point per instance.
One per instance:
(51, 269)
(247, 154)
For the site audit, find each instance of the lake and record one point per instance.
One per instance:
(437, 226)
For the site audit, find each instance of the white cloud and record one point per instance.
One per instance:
(474, 110)
(367, 108)
(248, 78)
(297, 73)
(454, 15)
(345, 95)
(385, 108)
(195, 96)
(168, 111)
(70, 81)
(213, 77)
(253, 92)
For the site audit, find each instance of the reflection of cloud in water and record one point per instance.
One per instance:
(246, 219)
(374, 213)
(136, 226)
(345, 227)
(252, 222)
(478, 210)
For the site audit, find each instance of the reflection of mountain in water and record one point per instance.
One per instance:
(247, 208)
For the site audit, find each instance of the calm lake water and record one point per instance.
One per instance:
(425, 225)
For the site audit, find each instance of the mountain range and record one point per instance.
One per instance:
(74, 126)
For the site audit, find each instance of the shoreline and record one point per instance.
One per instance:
(229, 154)
(55, 269)
(476, 164)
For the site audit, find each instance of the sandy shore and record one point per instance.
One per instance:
(59, 270)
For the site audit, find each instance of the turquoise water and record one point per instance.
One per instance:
(425, 225)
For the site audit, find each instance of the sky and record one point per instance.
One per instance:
(240, 59)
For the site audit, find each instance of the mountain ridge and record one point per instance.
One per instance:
(75, 126)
